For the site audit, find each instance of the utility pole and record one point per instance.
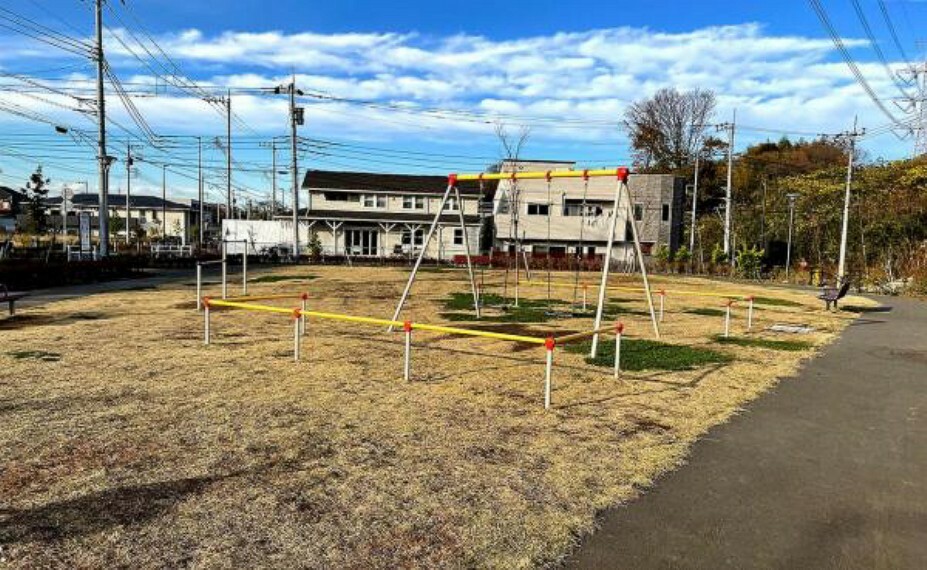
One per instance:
(200, 197)
(788, 252)
(297, 117)
(698, 155)
(728, 202)
(763, 216)
(228, 153)
(128, 189)
(102, 158)
(273, 178)
(163, 201)
(851, 137)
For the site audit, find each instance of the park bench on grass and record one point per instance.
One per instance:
(10, 298)
(830, 295)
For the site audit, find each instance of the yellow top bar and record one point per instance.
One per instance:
(295, 296)
(249, 307)
(542, 175)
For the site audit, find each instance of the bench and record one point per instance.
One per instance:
(830, 295)
(10, 298)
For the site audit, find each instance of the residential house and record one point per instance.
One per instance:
(371, 215)
(572, 215)
(155, 216)
(11, 202)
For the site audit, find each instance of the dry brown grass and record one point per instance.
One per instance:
(138, 446)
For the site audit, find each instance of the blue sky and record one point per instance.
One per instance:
(566, 69)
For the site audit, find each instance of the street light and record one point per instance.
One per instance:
(788, 252)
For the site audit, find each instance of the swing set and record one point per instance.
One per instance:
(622, 202)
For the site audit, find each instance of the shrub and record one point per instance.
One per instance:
(749, 262)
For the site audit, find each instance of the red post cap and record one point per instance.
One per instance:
(549, 176)
(206, 300)
(407, 326)
(750, 298)
(452, 180)
(663, 292)
(304, 296)
(296, 313)
(586, 174)
(622, 174)
(619, 328)
(550, 343)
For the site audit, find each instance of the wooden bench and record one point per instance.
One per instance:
(830, 295)
(10, 298)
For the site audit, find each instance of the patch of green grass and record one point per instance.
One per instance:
(706, 312)
(790, 345)
(42, 355)
(511, 316)
(772, 301)
(279, 278)
(643, 354)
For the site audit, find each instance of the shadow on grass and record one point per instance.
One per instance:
(279, 278)
(789, 345)
(97, 512)
(857, 309)
(21, 321)
(643, 354)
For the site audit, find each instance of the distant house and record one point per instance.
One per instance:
(363, 214)
(11, 202)
(150, 213)
(569, 216)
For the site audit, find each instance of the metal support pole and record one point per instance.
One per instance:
(421, 255)
(244, 269)
(199, 287)
(585, 295)
(750, 314)
(600, 308)
(407, 367)
(206, 320)
(296, 335)
(466, 238)
(727, 321)
(662, 303)
(102, 158)
(549, 345)
(303, 316)
(841, 265)
(225, 271)
(619, 329)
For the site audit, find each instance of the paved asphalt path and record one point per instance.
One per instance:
(829, 470)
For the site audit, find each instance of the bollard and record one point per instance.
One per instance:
(750, 313)
(407, 368)
(479, 295)
(727, 320)
(225, 273)
(297, 318)
(206, 317)
(662, 303)
(549, 344)
(619, 328)
(199, 287)
(302, 319)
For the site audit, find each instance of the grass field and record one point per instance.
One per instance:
(128, 443)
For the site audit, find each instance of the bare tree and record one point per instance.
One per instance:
(665, 129)
(512, 145)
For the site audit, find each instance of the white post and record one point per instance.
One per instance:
(199, 287)
(750, 314)
(302, 317)
(662, 303)
(466, 238)
(244, 270)
(585, 292)
(225, 269)
(418, 262)
(548, 370)
(727, 321)
(206, 320)
(296, 335)
(619, 328)
(407, 367)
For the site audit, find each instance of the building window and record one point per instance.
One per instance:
(575, 209)
(458, 236)
(407, 237)
(638, 212)
(666, 212)
(413, 202)
(538, 209)
(452, 205)
(373, 201)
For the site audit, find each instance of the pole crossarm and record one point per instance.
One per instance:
(621, 173)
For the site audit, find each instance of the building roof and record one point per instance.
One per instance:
(17, 195)
(137, 201)
(386, 217)
(397, 183)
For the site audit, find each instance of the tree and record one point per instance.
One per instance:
(666, 129)
(36, 192)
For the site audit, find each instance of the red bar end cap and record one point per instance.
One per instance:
(622, 174)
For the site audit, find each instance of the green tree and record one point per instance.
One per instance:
(36, 192)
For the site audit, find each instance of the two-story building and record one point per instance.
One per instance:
(573, 216)
(10, 205)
